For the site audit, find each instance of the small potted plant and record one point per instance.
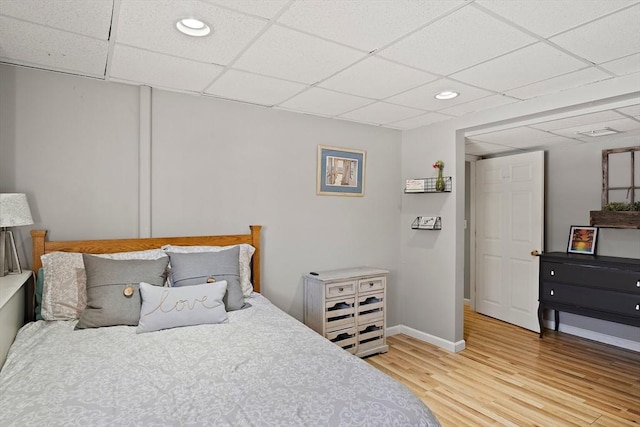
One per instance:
(439, 164)
(617, 215)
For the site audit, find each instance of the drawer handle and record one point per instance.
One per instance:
(552, 292)
(371, 284)
(637, 307)
(553, 273)
(638, 284)
(340, 289)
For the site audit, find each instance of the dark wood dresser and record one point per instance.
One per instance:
(603, 287)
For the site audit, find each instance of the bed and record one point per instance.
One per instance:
(254, 366)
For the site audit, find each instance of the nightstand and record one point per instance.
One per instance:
(12, 303)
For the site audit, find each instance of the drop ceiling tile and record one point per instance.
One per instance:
(544, 142)
(533, 142)
(151, 25)
(325, 102)
(478, 148)
(88, 18)
(512, 136)
(547, 18)
(621, 125)
(583, 119)
(381, 113)
(294, 56)
(605, 39)
(263, 8)
(42, 47)
(423, 96)
(376, 78)
(154, 69)
(363, 24)
(623, 66)
(247, 87)
(460, 40)
(560, 83)
(523, 67)
(479, 104)
(632, 110)
(423, 120)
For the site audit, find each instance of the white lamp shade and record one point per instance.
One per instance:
(14, 210)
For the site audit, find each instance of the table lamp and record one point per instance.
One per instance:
(14, 212)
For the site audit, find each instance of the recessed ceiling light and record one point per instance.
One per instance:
(598, 132)
(193, 27)
(446, 94)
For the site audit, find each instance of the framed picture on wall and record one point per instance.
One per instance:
(340, 171)
(582, 240)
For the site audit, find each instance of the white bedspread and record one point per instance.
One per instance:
(263, 368)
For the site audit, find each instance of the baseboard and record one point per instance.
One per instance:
(595, 336)
(467, 301)
(549, 324)
(428, 338)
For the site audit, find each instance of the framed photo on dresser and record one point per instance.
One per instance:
(582, 240)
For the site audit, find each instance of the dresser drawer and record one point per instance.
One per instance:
(345, 338)
(370, 307)
(340, 289)
(371, 284)
(370, 335)
(591, 276)
(591, 298)
(340, 314)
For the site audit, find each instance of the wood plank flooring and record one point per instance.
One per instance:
(508, 376)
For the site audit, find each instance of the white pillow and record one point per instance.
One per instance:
(244, 260)
(165, 308)
(64, 292)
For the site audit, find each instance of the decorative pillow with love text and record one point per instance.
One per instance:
(165, 308)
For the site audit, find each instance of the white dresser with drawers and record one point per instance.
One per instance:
(348, 307)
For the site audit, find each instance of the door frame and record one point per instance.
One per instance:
(472, 232)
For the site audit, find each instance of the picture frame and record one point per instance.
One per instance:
(340, 171)
(582, 240)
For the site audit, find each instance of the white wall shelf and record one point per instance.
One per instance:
(427, 223)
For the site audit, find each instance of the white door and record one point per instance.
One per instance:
(509, 225)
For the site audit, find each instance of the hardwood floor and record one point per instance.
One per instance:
(508, 376)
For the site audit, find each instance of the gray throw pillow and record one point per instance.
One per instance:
(196, 267)
(113, 296)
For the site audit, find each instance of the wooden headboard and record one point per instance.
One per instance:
(43, 246)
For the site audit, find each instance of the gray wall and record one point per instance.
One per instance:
(574, 187)
(432, 273)
(72, 145)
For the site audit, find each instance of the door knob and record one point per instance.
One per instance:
(535, 252)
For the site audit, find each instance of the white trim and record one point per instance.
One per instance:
(428, 338)
(472, 236)
(595, 336)
(467, 301)
(144, 163)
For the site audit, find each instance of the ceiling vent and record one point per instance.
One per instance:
(598, 132)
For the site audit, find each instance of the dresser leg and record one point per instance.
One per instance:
(557, 319)
(540, 319)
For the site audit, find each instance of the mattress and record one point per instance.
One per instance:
(262, 368)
